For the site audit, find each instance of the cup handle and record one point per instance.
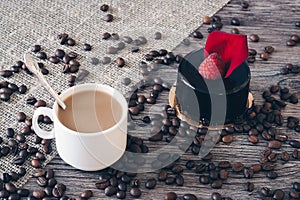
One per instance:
(40, 132)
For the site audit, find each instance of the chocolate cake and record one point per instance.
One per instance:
(194, 96)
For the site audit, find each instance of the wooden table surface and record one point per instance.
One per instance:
(273, 21)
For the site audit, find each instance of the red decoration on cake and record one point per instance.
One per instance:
(232, 48)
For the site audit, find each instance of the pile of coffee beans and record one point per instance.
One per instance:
(7, 89)
(290, 69)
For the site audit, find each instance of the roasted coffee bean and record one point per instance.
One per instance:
(294, 194)
(21, 117)
(254, 38)
(190, 164)
(104, 7)
(142, 40)
(235, 21)
(256, 168)
(237, 167)
(223, 174)
(274, 144)
(235, 31)
(217, 184)
(224, 164)
(189, 197)
(35, 48)
(290, 43)
(248, 173)
(6, 73)
(179, 180)
(157, 35)
(57, 192)
(217, 25)
(253, 139)
(272, 174)
(35, 163)
(278, 194)
(71, 42)
(249, 186)
(170, 180)
(10, 132)
(23, 192)
(53, 59)
(150, 183)
(10, 187)
(197, 34)
(171, 196)
(86, 194)
(13, 87)
(120, 62)
(87, 47)
(106, 36)
(294, 98)
(251, 59)
(163, 174)
(296, 186)
(200, 168)
(135, 192)
(285, 156)
(22, 89)
(267, 166)
(295, 144)
(41, 55)
(269, 49)
(272, 157)
(252, 52)
(40, 103)
(177, 169)
(227, 139)
(265, 192)
(42, 181)
(264, 56)
(204, 179)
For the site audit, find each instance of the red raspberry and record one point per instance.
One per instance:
(213, 67)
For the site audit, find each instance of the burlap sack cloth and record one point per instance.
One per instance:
(28, 22)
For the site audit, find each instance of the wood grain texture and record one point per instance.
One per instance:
(273, 21)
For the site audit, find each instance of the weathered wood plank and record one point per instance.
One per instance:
(273, 21)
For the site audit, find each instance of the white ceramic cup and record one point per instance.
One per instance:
(86, 151)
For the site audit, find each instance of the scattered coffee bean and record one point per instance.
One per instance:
(290, 43)
(53, 59)
(189, 197)
(106, 60)
(197, 34)
(235, 21)
(120, 62)
(237, 167)
(104, 7)
(235, 31)
(227, 139)
(264, 56)
(134, 49)
(21, 117)
(245, 5)
(41, 55)
(272, 175)
(274, 144)
(94, 61)
(135, 192)
(206, 20)
(86, 194)
(157, 36)
(254, 38)
(278, 194)
(87, 47)
(82, 74)
(171, 196)
(40, 103)
(150, 183)
(253, 139)
(126, 81)
(22, 89)
(217, 184)
(106, 36)
(36, 48)
(269, 49)
(295, 144)
(71, 42)
(112, 50)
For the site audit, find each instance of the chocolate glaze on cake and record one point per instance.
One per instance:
(194, 97)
